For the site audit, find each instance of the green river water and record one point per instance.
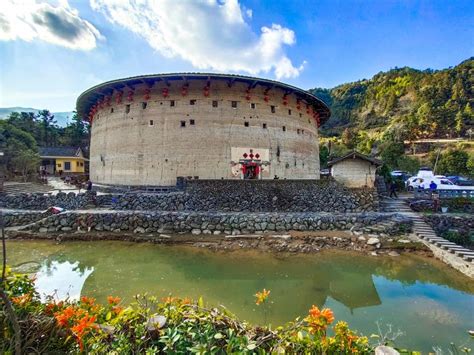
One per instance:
(431, 303)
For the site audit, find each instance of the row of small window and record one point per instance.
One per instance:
(192, 122)
(193, 102)
(67, 165)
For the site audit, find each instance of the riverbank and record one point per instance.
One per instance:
(292, 241)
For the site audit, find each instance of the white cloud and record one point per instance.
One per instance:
(58, 24)
(210, 34)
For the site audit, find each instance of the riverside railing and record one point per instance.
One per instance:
(428, 194)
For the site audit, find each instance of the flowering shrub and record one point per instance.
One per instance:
(172, 324)
(261, 297)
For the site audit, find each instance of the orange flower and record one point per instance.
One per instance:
(113, 300)
(328, 314)
(319, 320)
(169, 299)
(22, 300)
(314, 311)
(87, 300)
(262, 297)
(117, 309)
(84, 326)
(64, 316)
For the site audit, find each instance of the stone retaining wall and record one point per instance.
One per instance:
(256, 196)
(447, 221)
(218, 195)
(41, 201)
(13, 219)
(221, 222)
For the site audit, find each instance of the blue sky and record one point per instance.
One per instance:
(52, 51)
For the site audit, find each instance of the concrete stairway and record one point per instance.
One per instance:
(424, 230)
(395, 205)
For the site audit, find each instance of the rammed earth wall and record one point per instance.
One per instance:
(219, 195)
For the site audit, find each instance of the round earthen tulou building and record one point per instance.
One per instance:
(152, 129)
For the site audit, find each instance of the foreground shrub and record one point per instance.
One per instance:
(151, 326)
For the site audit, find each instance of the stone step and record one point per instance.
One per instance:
(463, 252)
(453, 250)
(468, 257)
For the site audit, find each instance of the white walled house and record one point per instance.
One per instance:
(354, 169)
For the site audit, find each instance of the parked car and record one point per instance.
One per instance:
(442, 183)
(461, 181)
(414, 182)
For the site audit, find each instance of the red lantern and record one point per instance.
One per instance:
(118, 97)
(307, 109)
(107, 101)
(266, 98)
(206, 90)
(285, 100)
(165, 92)
(147, 95)
(247, 94)
(298, 105)
(130, 95)
(184, 91)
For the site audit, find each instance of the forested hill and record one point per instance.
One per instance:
(414, 103)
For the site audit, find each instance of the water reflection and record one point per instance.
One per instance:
(61, 279)
(430, 302)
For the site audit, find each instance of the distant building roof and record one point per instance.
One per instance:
(353, 155)
(75, 152)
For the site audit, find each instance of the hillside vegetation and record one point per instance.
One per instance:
(412, 103)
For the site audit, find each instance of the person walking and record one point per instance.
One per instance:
(393, 189)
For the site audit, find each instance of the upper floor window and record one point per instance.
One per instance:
(252, 105)
(272, 108)
(289, 112)
(183, 123)
(192, 102)
(144, 104)
(264, 126)
(246, 124)
(127, 108)
(284, 128)
(172, 103)
(215, 103)
(234, 104)
(192, 122)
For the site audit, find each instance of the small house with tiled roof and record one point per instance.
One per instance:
(354, 169)
(62, 160)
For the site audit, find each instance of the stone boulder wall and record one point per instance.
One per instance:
(216, 195)
(41, 201)
(13, 219)
(256, 196)
(221, 222)
(443, 222)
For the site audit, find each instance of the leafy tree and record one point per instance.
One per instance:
(453, 162)
(76, 133)
(20, 150)
(323, 156)
(470, 165)
(26, 162)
